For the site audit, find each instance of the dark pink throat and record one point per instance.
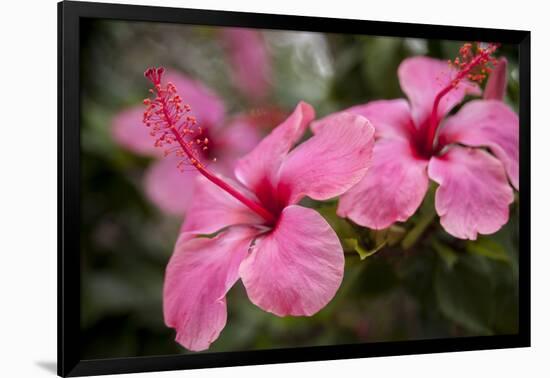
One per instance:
(419, 146)
(273, 198)
(473, 64)
(176, 130)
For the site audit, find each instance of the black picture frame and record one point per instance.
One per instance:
(69, 17)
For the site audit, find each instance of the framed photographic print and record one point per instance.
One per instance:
(240, 188)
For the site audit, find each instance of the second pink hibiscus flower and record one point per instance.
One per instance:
(415, 143)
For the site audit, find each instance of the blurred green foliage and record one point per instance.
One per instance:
(412, 281)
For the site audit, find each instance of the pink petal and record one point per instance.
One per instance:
(213, 209)
(331, 162)
(129, 131)
(250, 61)
(390, 118)
(487, 123)
(206, 106)
(421, 78)
(473, 194)
(238, 137)
(392, 189)
(198, 276)
(261, 165)
(297, 268)
(169, 188)
(495, 89)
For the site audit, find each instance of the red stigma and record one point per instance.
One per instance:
(154, 75)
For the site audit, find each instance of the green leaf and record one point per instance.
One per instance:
(488, 248)
(448, 255)
(465, 294)
(424, 219)
(353, 244)
(412, 237)
(381, 57)
(391, 235)
(340, 225)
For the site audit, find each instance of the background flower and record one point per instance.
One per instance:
(249, 60)
(169, 188)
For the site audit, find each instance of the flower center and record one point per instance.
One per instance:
(472, 64)
(172, 125)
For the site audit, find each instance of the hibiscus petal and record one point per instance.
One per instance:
(495, 89)
(213, 209)
(297, 268)
(237, 138)
(488, 123)
(198, 276)
(250, 61)
(392, 189)
(390, 118)
(422, 78)
(473, 195)
(331, 162)
(206, 106)
(169, 188)
(263, 162)
(129, 131)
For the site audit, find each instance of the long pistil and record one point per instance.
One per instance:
(466, 68)
(163, 114)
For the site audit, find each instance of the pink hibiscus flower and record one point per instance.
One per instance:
(249, 59)
(168, 188)
(471, 154)
(288, 257)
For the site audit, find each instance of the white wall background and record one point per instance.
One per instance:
(28, 187)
